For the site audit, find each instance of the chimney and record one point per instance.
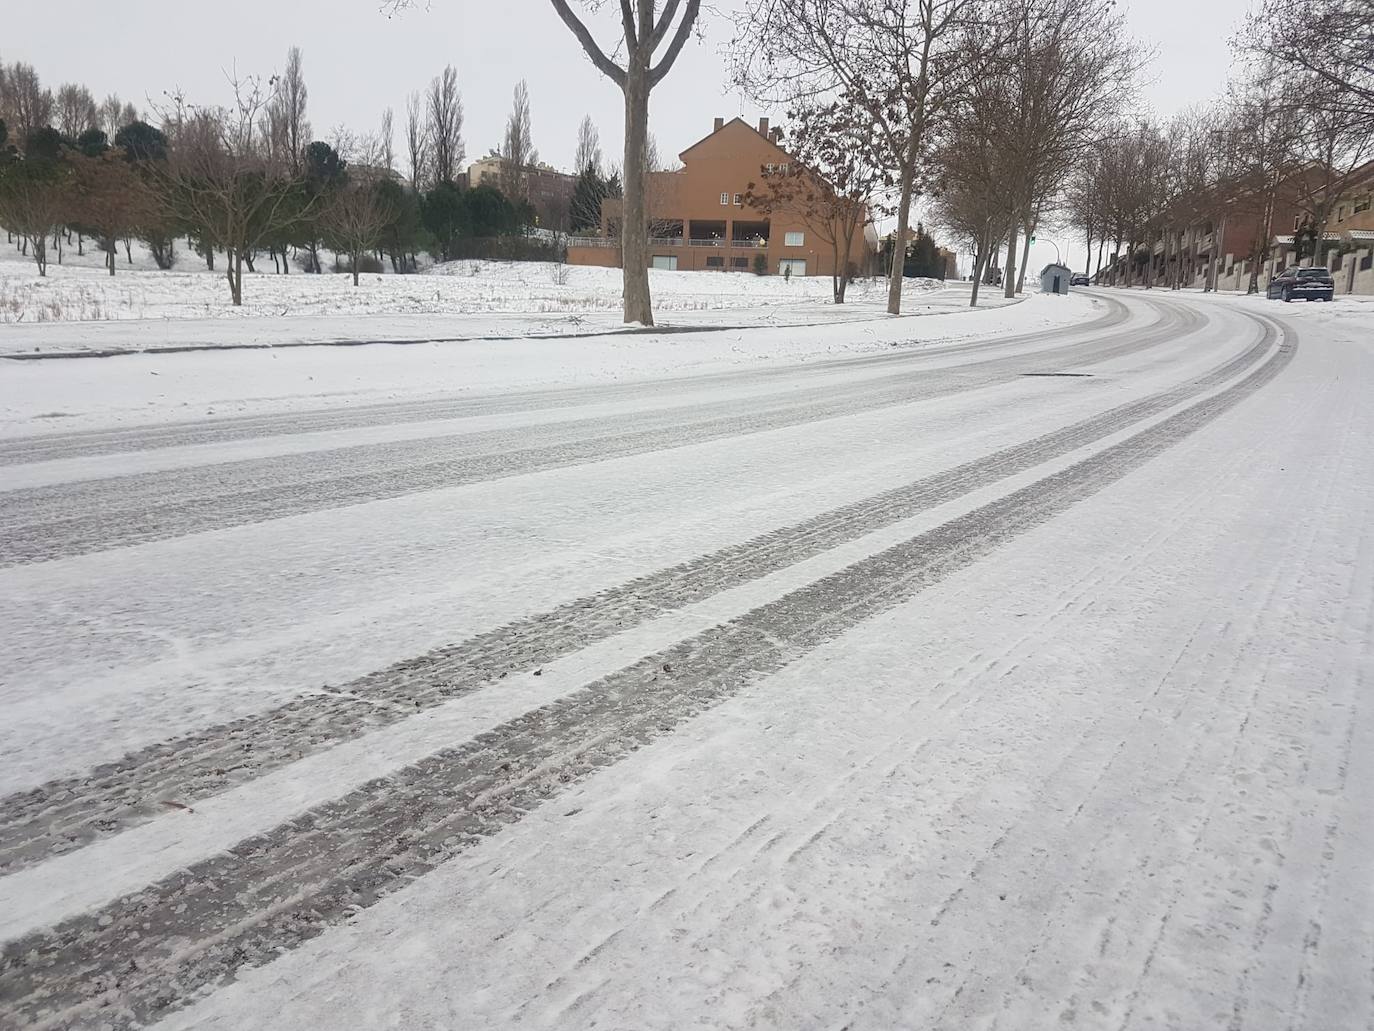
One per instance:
(763, 128)
(720, 124)
(776, 136)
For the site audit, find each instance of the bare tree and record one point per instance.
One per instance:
(1069, 67)
(644, 30)
(417, 143)
(1262, 128)
(588, 153)
(1330, 147)
(517, 147)
(30, 106)
(291, 97)
(109, 197)
(444, 109)
(356, 216)
(110, 113)
(829, 183)
(905, 62)
(974, 173)
(386, 139)
(34, 202)
(1330, 41)
(219, 180)
(74, 110)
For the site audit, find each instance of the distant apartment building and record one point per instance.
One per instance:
(1349, 241)
(548, 190)
(699, 219)
(1242, 247)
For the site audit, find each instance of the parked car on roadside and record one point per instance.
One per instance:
(1312, 284)
(1079, 279)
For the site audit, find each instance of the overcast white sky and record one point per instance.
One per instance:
(358, 62)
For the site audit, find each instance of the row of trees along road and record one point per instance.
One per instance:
(248, 177)
(1294, 128)
(981, 106)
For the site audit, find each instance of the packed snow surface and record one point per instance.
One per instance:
(1004, 668)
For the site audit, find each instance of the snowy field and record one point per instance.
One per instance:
(995, 669)
(142, 308)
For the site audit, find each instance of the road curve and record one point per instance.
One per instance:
(124, 913)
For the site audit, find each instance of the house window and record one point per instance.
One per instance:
(770, 168)
(1362, 205)
(739, 263)
(725, 198)
(1297, 223)
(794, 239)
(739, 200)
(715, 261)
(667, 262)
(795, 266)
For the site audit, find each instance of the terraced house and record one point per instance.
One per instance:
(699, 218)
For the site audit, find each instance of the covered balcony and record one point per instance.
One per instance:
(749, 234)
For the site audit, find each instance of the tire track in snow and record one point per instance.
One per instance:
(73, 812)
(154, 951)
(127, 510)
(47, 447)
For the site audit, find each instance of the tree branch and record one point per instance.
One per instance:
(661, 29)
(684, 30)
(627, 19)
(604, 64)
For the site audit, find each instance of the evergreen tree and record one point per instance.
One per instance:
(93, 142)
(405, 234)
(46, 143)
(445, 215)
(141, 142)
(585, 209)
(324, 172)
(490, 213)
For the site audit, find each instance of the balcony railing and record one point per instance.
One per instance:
(666, 241)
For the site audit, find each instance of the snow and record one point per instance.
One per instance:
(135, 389)
(511, 299)
(1105, 773)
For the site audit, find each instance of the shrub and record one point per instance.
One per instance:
(760, 264)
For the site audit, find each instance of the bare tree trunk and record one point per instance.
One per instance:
(894, 275)
(980, 263)
(1100, 244)
(1009, 275)
(634, 232)
(129, 250)
(357, 260)
(110, 255)
(1025, 251)
(233, 270)
(1263, 244)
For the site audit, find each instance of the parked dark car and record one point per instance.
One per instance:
(1312, 284)
(1079, 279)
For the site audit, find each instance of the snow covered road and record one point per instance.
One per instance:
(1010, 682)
